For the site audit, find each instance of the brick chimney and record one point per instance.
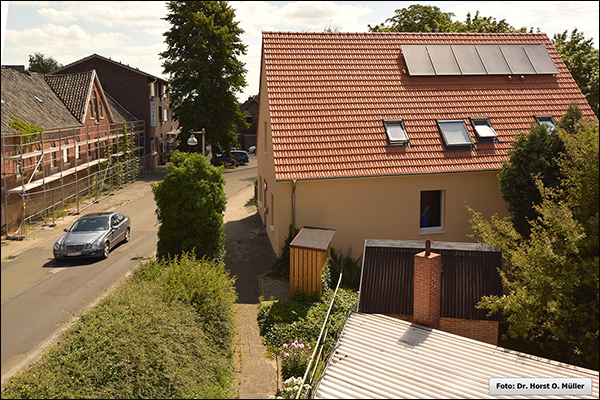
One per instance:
(427, 288)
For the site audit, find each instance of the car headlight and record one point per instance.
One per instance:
(57, 246)
(93, 245)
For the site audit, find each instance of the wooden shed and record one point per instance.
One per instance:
(308, 256)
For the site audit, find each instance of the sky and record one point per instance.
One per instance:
(131, 32)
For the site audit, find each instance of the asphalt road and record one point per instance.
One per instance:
(40, 295)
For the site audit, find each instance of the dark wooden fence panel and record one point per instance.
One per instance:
(469, 271)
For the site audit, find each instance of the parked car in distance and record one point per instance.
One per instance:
(93, 235)
(252, 149)
(241, 156)
(227, 158)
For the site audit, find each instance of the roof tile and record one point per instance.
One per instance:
(330, 92)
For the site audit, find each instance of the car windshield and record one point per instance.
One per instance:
(90, 224)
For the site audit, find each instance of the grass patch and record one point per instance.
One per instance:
(165, 333)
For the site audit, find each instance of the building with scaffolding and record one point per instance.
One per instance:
(64, 142)
(144, 95)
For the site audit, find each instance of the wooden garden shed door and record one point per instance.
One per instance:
(308, 256)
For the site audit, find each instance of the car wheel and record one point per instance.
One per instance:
(127, 235)
(242, 162)
(106, 250)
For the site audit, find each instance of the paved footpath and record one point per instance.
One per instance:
(249, 255)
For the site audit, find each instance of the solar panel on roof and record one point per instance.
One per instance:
(492, 60)
(443, 60)
(517, 60)
(417, 60)
(541, 60)
(468, 59)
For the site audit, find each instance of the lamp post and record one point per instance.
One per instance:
(192, 141)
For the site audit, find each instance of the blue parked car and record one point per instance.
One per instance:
(228, 159)
(241, 156)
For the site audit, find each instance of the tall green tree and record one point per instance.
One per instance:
(533, 155)
(203, 46)
(581, 58)
(419, 18)
(42, 64)
(190, 203)
(552, 275)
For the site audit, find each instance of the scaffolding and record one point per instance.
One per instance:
(55, 173)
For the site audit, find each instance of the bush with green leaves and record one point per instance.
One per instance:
(352, 268)
(190, 204)
(205, 284)
(302, 317)
(165, 333)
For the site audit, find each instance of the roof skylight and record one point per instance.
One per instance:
(545, 120)
(483, 128)
(454, 133)
(396, 132)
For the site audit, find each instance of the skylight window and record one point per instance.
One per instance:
(396, 132)
(545, 120)
(454, 133)
(38, 99)
(483, 128)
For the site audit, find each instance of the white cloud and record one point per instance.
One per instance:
(54, 15)
(53, 40)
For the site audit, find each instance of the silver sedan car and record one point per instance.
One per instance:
(93, 235)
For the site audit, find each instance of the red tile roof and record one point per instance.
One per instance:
(329, 92)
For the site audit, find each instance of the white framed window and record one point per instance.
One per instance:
(431, 212)
(483, 128)
(396, 132)
(65, 156)
(454, 134)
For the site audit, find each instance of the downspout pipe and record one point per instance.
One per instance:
(294, 181)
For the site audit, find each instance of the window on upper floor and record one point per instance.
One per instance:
(249, 119)
(396, 132)
(431, 212)
(483, 129)
(454, 134)
(95, 104)
(545, 120)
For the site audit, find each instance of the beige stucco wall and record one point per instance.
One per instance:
(389, 207)
(368, 208)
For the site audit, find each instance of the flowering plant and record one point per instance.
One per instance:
(294, 359)
(290, 389)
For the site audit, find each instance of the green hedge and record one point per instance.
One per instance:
(166, 333)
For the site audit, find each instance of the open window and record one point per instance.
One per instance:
(547, 120)
(396, 132)
(483, 129)
(454, 134)
(431, 212)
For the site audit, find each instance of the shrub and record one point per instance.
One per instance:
(190, 203)
(203, 284)
(352, 268)
(284, 321)
(133, 344)
(294, 359)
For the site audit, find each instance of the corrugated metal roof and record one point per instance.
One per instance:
(382, 357)
(328, 94)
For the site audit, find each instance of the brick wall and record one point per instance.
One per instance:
(484, 331)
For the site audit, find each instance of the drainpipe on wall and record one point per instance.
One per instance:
(294, 206)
